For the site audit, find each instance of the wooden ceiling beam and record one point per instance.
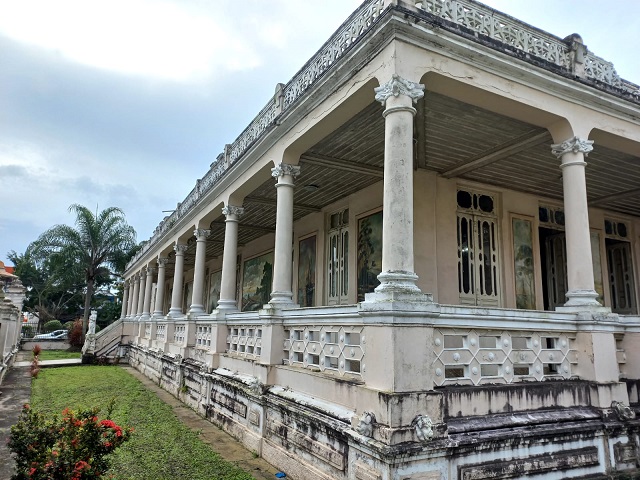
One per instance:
(614, 196)
(340, 164)
(258, 228)
(273, 203)
(517, 145)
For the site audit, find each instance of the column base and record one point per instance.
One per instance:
(175, 313)
(197, 310)
(282, 299)
(144, 317)
(157, 315)
(398, 281)
(228, 305)
(582, 300)
(397, 291)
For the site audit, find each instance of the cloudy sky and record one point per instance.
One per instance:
(127, 102)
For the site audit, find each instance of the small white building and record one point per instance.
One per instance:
(12, 294)
(419, 261)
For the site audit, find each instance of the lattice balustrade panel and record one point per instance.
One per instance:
(203, 336)
(327, 348)
(179, 333)
(161, 331)
(475, 357)
(245, 340)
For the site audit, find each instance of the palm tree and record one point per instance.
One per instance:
(98, 244)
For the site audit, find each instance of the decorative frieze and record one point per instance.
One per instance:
(574, 145)
(399, 86)
(232, 210)
(285, 169)
(201, 234)
(180, 248)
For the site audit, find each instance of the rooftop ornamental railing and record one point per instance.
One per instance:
(474, 16)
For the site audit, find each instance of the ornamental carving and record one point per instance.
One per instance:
(180, 248)
(365, 424)
(575, 145)
(285, 169)
(424, 427)
(150, 271)
(201, 232)
(622, 411)
(162, 261)
(399, 86)
(232, 210)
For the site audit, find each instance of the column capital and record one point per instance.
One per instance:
(136, 277)
(180, 248)
(573, 145)
(285, 169)
(150, 271)
(162, 261)
(399, 86)
(201, 234)
(126, 283)
(233, 210)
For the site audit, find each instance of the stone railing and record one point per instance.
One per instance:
(245, 340)
(161, 332)
(516, 34)
(475, 357)
(340, 349)
(349, 33)
(179, 333)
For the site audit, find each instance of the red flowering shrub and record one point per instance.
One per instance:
(35, 362)
(73, 447)
(75, 334)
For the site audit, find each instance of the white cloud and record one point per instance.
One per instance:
(139, 37)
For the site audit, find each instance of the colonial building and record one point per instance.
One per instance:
(418, 261)
(12, 294)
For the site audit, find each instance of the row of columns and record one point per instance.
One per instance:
(137, 299)
(398, 276)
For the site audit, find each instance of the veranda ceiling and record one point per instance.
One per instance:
(452, 138)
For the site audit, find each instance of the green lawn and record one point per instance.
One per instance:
(161, 446)
(58, 355)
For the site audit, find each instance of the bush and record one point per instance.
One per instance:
(75, 334)
(52, 325)
(27, 331)
(72, 447)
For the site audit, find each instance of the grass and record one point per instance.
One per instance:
(161, 446)
(58, 355)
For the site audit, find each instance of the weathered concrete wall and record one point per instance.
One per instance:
(545, 429)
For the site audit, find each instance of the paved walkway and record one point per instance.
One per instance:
(15, 391)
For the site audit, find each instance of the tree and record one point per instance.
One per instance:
(99, 244)
(54, 286)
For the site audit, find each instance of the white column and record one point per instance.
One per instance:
(281, 292)
(143, 283)
(197, 306)
(158, 309)
(228, 300)
(125, 299)
(580, 281)
(398, 96)
(146, 309)
(178, 273)
(136, 294)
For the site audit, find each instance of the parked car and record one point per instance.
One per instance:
(55, 335)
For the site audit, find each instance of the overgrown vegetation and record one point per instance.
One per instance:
(162, 447)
